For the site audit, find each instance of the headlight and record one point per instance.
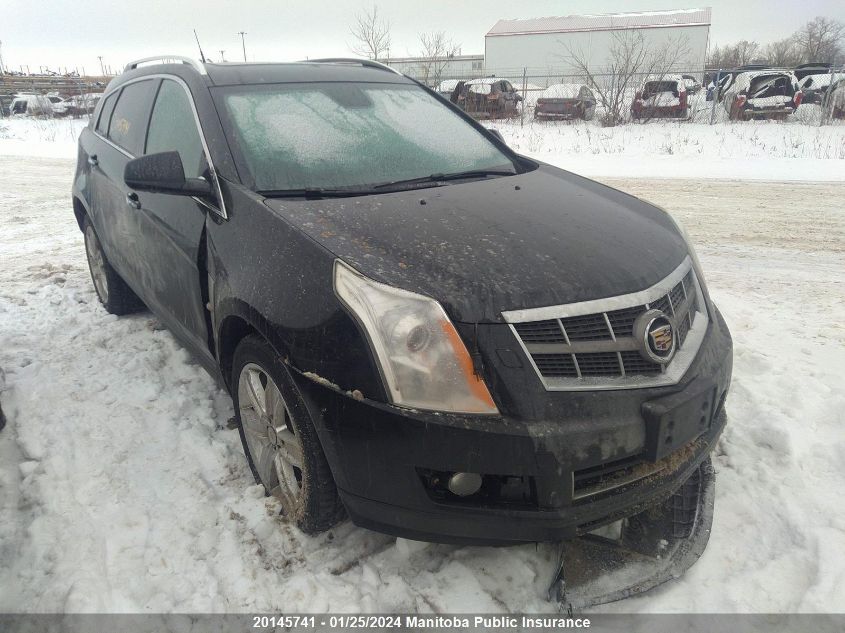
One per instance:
(423, 361)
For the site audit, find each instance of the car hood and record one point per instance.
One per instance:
(544, 237)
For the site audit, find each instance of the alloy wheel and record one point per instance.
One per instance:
(97, 264)
(275, 448)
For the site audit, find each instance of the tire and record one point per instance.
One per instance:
(116, 297)
(279, 438)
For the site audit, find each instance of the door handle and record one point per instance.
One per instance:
(92, 160)
(132, 200)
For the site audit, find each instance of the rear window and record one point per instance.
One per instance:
(771, 86)
(131, 113)
(655, 87)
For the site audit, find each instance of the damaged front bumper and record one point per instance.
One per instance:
(597, 458)
(650, 548)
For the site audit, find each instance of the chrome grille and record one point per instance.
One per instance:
(590, 345)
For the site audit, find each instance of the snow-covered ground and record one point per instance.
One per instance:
(758, 150)
(29, 136)
(123, 489)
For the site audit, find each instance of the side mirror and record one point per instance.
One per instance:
(497, 134)
(163, 173)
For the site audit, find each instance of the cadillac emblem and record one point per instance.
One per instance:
(655, 335)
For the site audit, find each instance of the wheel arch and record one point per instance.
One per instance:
(232, 329)
(80, 212)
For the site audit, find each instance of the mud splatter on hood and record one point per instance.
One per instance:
(544, 237)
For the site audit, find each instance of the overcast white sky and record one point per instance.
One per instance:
(73, 34)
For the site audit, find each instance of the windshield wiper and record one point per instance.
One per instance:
(312, 192)
(320, 192)
(475, 173)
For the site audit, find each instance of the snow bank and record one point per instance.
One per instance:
(50, 138)
(754, 150)
(757, 150)
(124, 489)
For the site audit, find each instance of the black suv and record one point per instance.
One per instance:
(419, 328)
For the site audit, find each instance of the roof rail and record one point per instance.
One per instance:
(369, 63)
(166, 59)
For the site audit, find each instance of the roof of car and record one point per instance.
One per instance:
(561, 91)
(676, 78)
(762, 73)
(484, 80)
(237, 73)
(259, 73)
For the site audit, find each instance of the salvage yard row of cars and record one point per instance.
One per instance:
(749, 92)
(49, 105)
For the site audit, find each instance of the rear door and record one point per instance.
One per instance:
(120, 128)
(170, 227)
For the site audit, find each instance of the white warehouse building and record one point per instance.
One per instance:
(543, 45)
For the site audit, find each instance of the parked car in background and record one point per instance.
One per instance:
(692, 84)
(31, 105)
(661, 98)
(565, 101)
(487, 98)
(812, 68)
(446, 87)
(58, 104)
(764, 94)
(814, 86)
(726, 78)
(83, 104)
(834, 99)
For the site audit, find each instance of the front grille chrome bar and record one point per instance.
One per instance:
(590, 345)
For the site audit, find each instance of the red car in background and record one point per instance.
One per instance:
(661, 98)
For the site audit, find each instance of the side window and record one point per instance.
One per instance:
(129, 121)
(174, 128)
(105, 114)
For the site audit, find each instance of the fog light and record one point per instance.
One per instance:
(464, 484)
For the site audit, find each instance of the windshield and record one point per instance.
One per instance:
(343, 135)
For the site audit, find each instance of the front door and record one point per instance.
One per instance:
(171, 227)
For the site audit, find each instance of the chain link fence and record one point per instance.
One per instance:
(709, 96)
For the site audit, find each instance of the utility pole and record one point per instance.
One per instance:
(102, 69)
(2, 67)
(243, 43)
(222, 59)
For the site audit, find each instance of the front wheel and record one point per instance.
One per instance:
(279, 438)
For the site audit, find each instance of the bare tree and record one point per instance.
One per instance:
(746, 52)
(372, 35)
(436, 51)
(733, 55)
(820, 40)
(630, 60)
(783, 53)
